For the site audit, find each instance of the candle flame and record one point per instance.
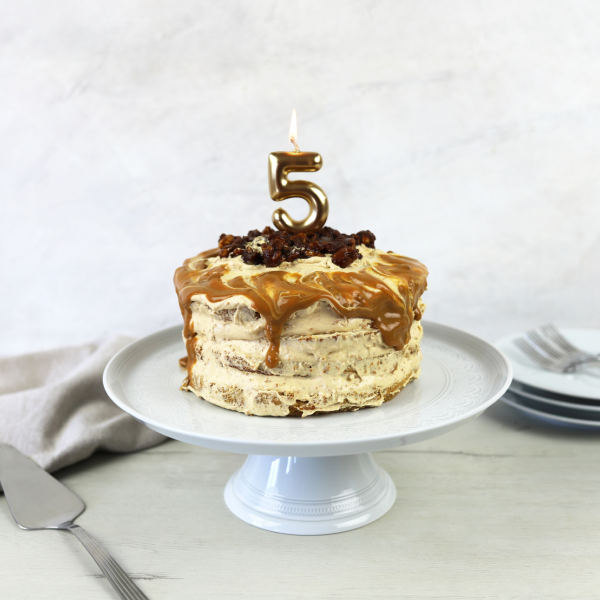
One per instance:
(294, 131)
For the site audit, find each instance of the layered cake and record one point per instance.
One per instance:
(278, 324)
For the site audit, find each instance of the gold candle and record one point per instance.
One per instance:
(281, 164)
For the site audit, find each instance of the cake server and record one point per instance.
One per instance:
(39, 501)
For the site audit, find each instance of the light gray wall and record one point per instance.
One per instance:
(133, 133)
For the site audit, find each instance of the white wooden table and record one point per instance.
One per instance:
(502, 508)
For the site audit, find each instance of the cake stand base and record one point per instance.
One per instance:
(310, 496)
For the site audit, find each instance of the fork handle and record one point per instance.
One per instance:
(123, 585)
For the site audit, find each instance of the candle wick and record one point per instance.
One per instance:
(296, 148)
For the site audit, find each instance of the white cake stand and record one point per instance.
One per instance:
(315, 475)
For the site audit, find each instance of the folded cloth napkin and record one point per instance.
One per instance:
(53, 406)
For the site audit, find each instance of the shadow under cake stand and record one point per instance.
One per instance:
(315, 475)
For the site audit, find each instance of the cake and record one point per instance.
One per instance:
(284, 324)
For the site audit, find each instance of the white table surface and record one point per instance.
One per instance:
(502, 508)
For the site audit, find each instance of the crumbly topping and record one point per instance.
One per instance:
(271, 247)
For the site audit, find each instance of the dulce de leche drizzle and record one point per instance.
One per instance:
(277, 295)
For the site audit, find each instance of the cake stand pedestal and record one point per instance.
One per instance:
(310, 496)
(315, 475)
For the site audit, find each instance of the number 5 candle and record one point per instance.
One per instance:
(281, 164)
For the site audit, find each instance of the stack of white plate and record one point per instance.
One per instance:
(571, 399)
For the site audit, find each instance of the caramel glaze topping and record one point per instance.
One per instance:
(277, 295)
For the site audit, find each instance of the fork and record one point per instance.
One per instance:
(547, 347)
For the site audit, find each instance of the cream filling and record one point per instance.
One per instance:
(236, 319)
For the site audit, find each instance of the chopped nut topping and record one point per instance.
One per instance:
(280, 246)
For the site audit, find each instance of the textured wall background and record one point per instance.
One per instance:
(466, 134)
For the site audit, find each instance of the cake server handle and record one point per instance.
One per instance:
(123, 585)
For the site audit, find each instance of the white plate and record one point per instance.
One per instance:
(461, 376)
(555, 409)
(583, 384)
(517, 389)
(554, 419)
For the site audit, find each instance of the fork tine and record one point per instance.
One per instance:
(554, 334)
(538, 359)
(526, 349)
(532, 353)
(544, 344)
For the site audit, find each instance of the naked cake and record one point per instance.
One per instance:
(278, 323)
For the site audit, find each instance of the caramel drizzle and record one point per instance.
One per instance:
(277, 295)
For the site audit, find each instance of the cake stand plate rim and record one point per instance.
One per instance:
(233, 442)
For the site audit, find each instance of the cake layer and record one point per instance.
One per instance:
(323, 372)
(239, 321)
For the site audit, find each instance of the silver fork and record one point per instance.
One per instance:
(548, 348)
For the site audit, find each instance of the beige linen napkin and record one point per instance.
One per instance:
(53, 406)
